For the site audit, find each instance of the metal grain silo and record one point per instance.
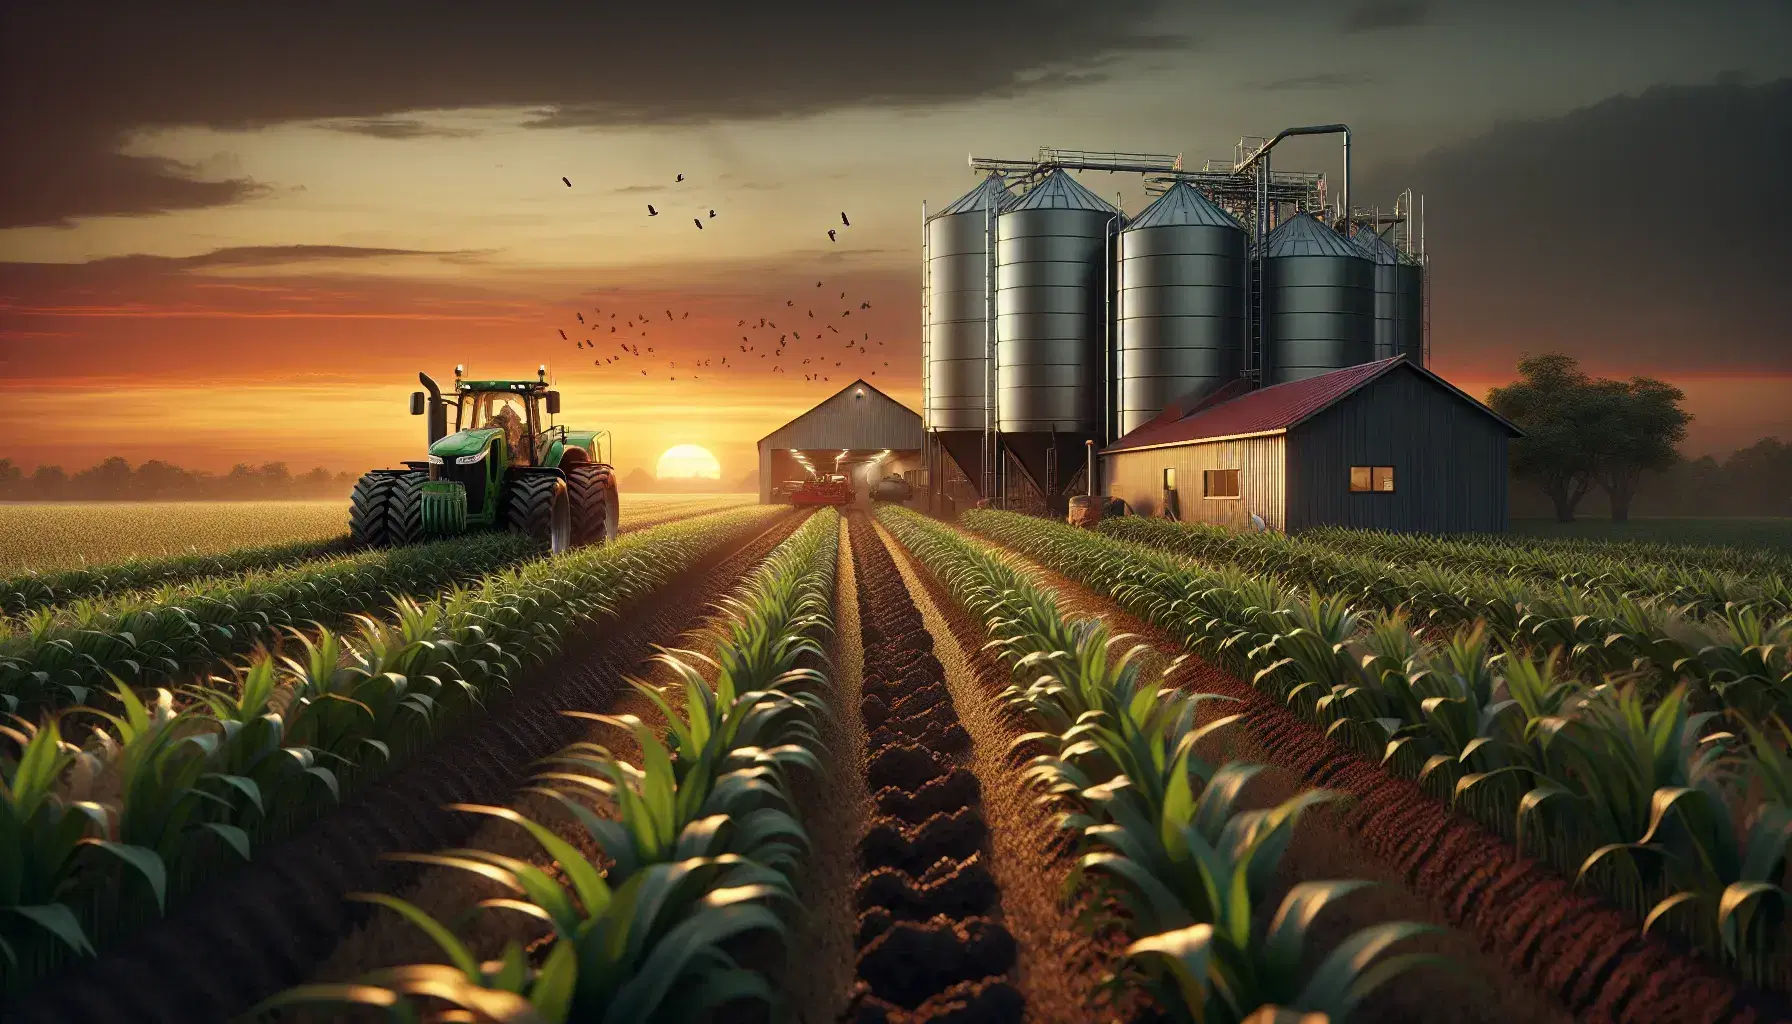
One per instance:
(1052, 278)
(1399, 299)
(956, 277)
(1318, 302)
(1181, 317)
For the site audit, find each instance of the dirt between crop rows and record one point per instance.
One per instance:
(1579, 951)
(931, 945)
(267, 926)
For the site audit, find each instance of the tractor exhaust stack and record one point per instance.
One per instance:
(438, 409)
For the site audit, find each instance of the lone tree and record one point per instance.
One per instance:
(1553, 401)
(1581, 432)
(1642, 427)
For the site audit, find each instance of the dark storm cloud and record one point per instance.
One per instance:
(1642, 230)
(16, 278)
(77, 77)
(1369, 15)
(1326, 80)
(400, 128)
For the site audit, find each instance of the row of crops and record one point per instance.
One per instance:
(168, 787)
(30, 591)
(1164, 834)
(1681, 817)
(1701, 576)
(1734, 650)
(1595, 551)
(58, 655)
(701, 843)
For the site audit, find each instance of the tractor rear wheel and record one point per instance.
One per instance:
(386, 509)
(592, 487)
(537, 506)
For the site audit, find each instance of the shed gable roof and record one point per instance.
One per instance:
(1278, 408)
(897, 425)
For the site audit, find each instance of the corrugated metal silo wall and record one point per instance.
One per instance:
(1318, 315)
(1049, 320)
(1181, 315)
(1409, 312)
(957, 315)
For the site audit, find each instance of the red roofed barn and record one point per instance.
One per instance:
(1386, 445)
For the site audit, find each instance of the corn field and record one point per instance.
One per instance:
(755, 763)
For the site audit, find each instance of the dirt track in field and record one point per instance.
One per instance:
(1532, 928)
(931, 940)
(267, 926)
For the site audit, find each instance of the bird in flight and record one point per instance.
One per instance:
(562, 335)
(679, 178)
(712, 213)
(651, 212)
(568, 183)
(843, 220)
(831, 237)
(697, 222)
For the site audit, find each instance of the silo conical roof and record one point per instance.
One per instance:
(1183, 204)
(991, 190)
(1303, 235)
(1376, 247)
(1060, 191)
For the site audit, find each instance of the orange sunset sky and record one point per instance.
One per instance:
(237, 234)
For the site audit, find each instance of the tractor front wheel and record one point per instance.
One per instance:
(386, 509)
(538, 507)
(592, 487)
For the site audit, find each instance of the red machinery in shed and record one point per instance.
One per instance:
(823, 490)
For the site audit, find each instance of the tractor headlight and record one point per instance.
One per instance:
(468, 460)
(437, 460)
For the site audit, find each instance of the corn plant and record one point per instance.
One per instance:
(259, 753)
(1217, 974)
(68, 655)
(32, 590)
(1570, 770)
(652, 948)
(701, 849)
(1161, 828)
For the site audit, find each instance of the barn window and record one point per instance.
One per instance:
(1219, 483)
(1169, 479)
(1372, 479)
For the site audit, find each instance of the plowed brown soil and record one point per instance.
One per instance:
(1061, 965)
(1530, 928)
(268, 925)
(932, 945)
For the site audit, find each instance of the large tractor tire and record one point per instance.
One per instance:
(386, 509)
(537, 506)
(592, 487)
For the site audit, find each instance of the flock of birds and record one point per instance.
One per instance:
(820, 341)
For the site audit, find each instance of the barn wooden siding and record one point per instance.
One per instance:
(843, 421)
(1449, 460)
(1137, 476)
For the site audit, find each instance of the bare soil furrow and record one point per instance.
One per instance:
(1062, 965)
(266, 926)
(931, 943)
(1525, 919)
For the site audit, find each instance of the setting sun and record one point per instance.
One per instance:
(688, 462)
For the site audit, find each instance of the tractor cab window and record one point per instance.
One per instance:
(503, 411)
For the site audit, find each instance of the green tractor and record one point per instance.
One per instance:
(504, 467)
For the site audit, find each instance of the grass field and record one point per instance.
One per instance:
(62, 534)
(1737, 533)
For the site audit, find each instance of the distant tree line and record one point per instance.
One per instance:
(1617, 441)
(114, 479)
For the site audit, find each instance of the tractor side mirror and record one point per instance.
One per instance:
(418, 399)
(553, 403)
